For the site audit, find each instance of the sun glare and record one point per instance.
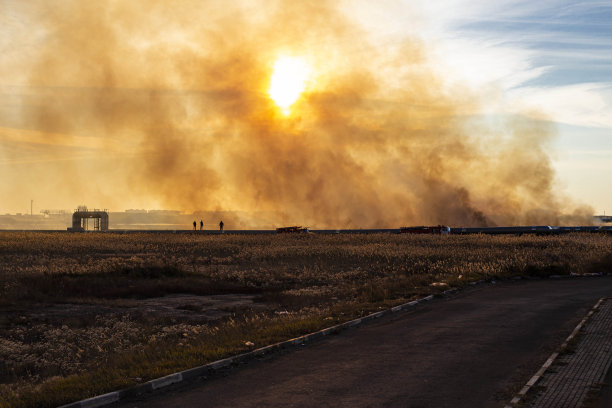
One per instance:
(288, 81)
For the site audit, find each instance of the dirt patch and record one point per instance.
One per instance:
(185, 308)
(193, 308)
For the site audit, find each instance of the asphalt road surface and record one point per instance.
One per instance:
(474, 349)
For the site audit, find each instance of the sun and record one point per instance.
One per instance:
(288, 81)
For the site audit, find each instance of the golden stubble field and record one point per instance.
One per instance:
(84, 314)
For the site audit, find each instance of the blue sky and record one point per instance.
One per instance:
(573, 40)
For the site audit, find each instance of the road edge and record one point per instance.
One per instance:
(206, 369)
(540, 373)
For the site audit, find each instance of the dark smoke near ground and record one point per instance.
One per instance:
(179, 89)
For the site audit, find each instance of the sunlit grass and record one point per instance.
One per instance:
(301, 283)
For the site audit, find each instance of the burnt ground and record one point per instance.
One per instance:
(477, 348)
(185, 308)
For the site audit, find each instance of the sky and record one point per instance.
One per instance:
(458, 112)
(555, 56)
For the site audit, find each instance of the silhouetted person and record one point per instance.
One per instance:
(201, 225)
(194, 225)
(221, 226)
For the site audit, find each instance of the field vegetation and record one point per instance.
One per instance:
(85, 314)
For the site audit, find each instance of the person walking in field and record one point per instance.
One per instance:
(221, 226)
(201, 225)
(194, 225)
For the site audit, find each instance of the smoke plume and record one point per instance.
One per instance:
(168, 101)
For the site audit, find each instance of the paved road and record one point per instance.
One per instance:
(606, 393)
(475, 349)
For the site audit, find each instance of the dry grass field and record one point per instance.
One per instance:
(84, 314)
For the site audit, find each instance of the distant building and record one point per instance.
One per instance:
(81, 217)
(165, 212)
(136, 211)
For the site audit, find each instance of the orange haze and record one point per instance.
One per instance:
(168, 101)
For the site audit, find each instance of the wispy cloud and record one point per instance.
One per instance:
(582, 104)
(553, 55)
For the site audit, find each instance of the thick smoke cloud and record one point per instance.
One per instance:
(377, 140)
